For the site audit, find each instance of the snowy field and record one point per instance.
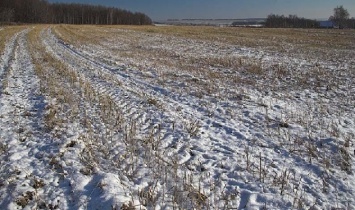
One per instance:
(176, 118)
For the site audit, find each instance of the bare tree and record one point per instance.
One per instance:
(340, 17)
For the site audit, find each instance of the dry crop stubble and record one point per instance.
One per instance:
(132, 144)
(235, 123)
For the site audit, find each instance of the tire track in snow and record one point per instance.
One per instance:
(25, 166)
(6, 59)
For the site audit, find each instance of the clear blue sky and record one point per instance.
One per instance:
(165, 9)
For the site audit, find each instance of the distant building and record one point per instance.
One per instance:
(326, 24)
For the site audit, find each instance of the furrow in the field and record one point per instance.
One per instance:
(83, 130)
(24, 167)
(6, 59)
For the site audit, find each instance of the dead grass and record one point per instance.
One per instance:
(315, 42)
(251, 37)
(6, 33)
(254, 37)
(73, 34)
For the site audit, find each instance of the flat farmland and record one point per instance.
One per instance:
(168, 117)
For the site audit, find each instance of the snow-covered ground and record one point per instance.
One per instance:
(158, 121)
(23, 140)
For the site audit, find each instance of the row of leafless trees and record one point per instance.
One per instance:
(292, 21)
(40, 11)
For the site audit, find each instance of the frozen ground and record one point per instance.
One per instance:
(110, 118)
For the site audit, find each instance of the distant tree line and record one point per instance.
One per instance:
(339, 19)
(344, 24)
(40, 11)
(292, 21)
